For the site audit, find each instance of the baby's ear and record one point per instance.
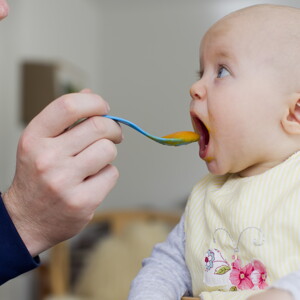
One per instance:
(291, 120)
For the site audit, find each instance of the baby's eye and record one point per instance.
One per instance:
(222, 72)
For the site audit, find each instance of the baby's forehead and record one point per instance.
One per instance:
(261, 18)
(260, 24)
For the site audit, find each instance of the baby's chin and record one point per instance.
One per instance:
(219, 168)
(214, 167)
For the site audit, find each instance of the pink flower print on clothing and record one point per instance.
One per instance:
(209, 260)
(241, 277)
(259, 275)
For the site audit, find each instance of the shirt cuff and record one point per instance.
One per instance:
(15, 259)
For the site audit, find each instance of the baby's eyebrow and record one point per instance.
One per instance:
(223, 54)
(219, 53)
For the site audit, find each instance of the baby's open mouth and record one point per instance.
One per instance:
(204, 137)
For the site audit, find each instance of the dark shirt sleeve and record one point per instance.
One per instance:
(15, 259)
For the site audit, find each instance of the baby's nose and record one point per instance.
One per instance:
(198, 91)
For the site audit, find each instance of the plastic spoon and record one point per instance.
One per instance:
(173, 139)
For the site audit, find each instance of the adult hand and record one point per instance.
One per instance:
(272, 294)
(62, 175)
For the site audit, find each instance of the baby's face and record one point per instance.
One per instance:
(237, 102)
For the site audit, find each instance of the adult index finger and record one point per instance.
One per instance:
(65, 111)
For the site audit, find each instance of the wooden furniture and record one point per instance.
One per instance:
(55, 276)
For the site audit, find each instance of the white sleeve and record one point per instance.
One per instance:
(164, 275)
(290, 283)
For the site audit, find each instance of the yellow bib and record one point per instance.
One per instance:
(244, 233)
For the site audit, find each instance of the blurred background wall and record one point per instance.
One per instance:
(142, 57)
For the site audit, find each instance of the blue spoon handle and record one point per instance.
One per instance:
(132, 125)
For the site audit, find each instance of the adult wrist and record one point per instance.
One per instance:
(25, 227)
(15, 257)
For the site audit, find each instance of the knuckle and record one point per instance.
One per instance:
(67, 104)
(98, 126)
(56, 184)
(25, 143)
(76, 206)
(109, 149)
(43, 162)
(114, 172)
(108, 180)
(72, 207)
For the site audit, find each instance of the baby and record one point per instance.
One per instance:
(239, 236)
